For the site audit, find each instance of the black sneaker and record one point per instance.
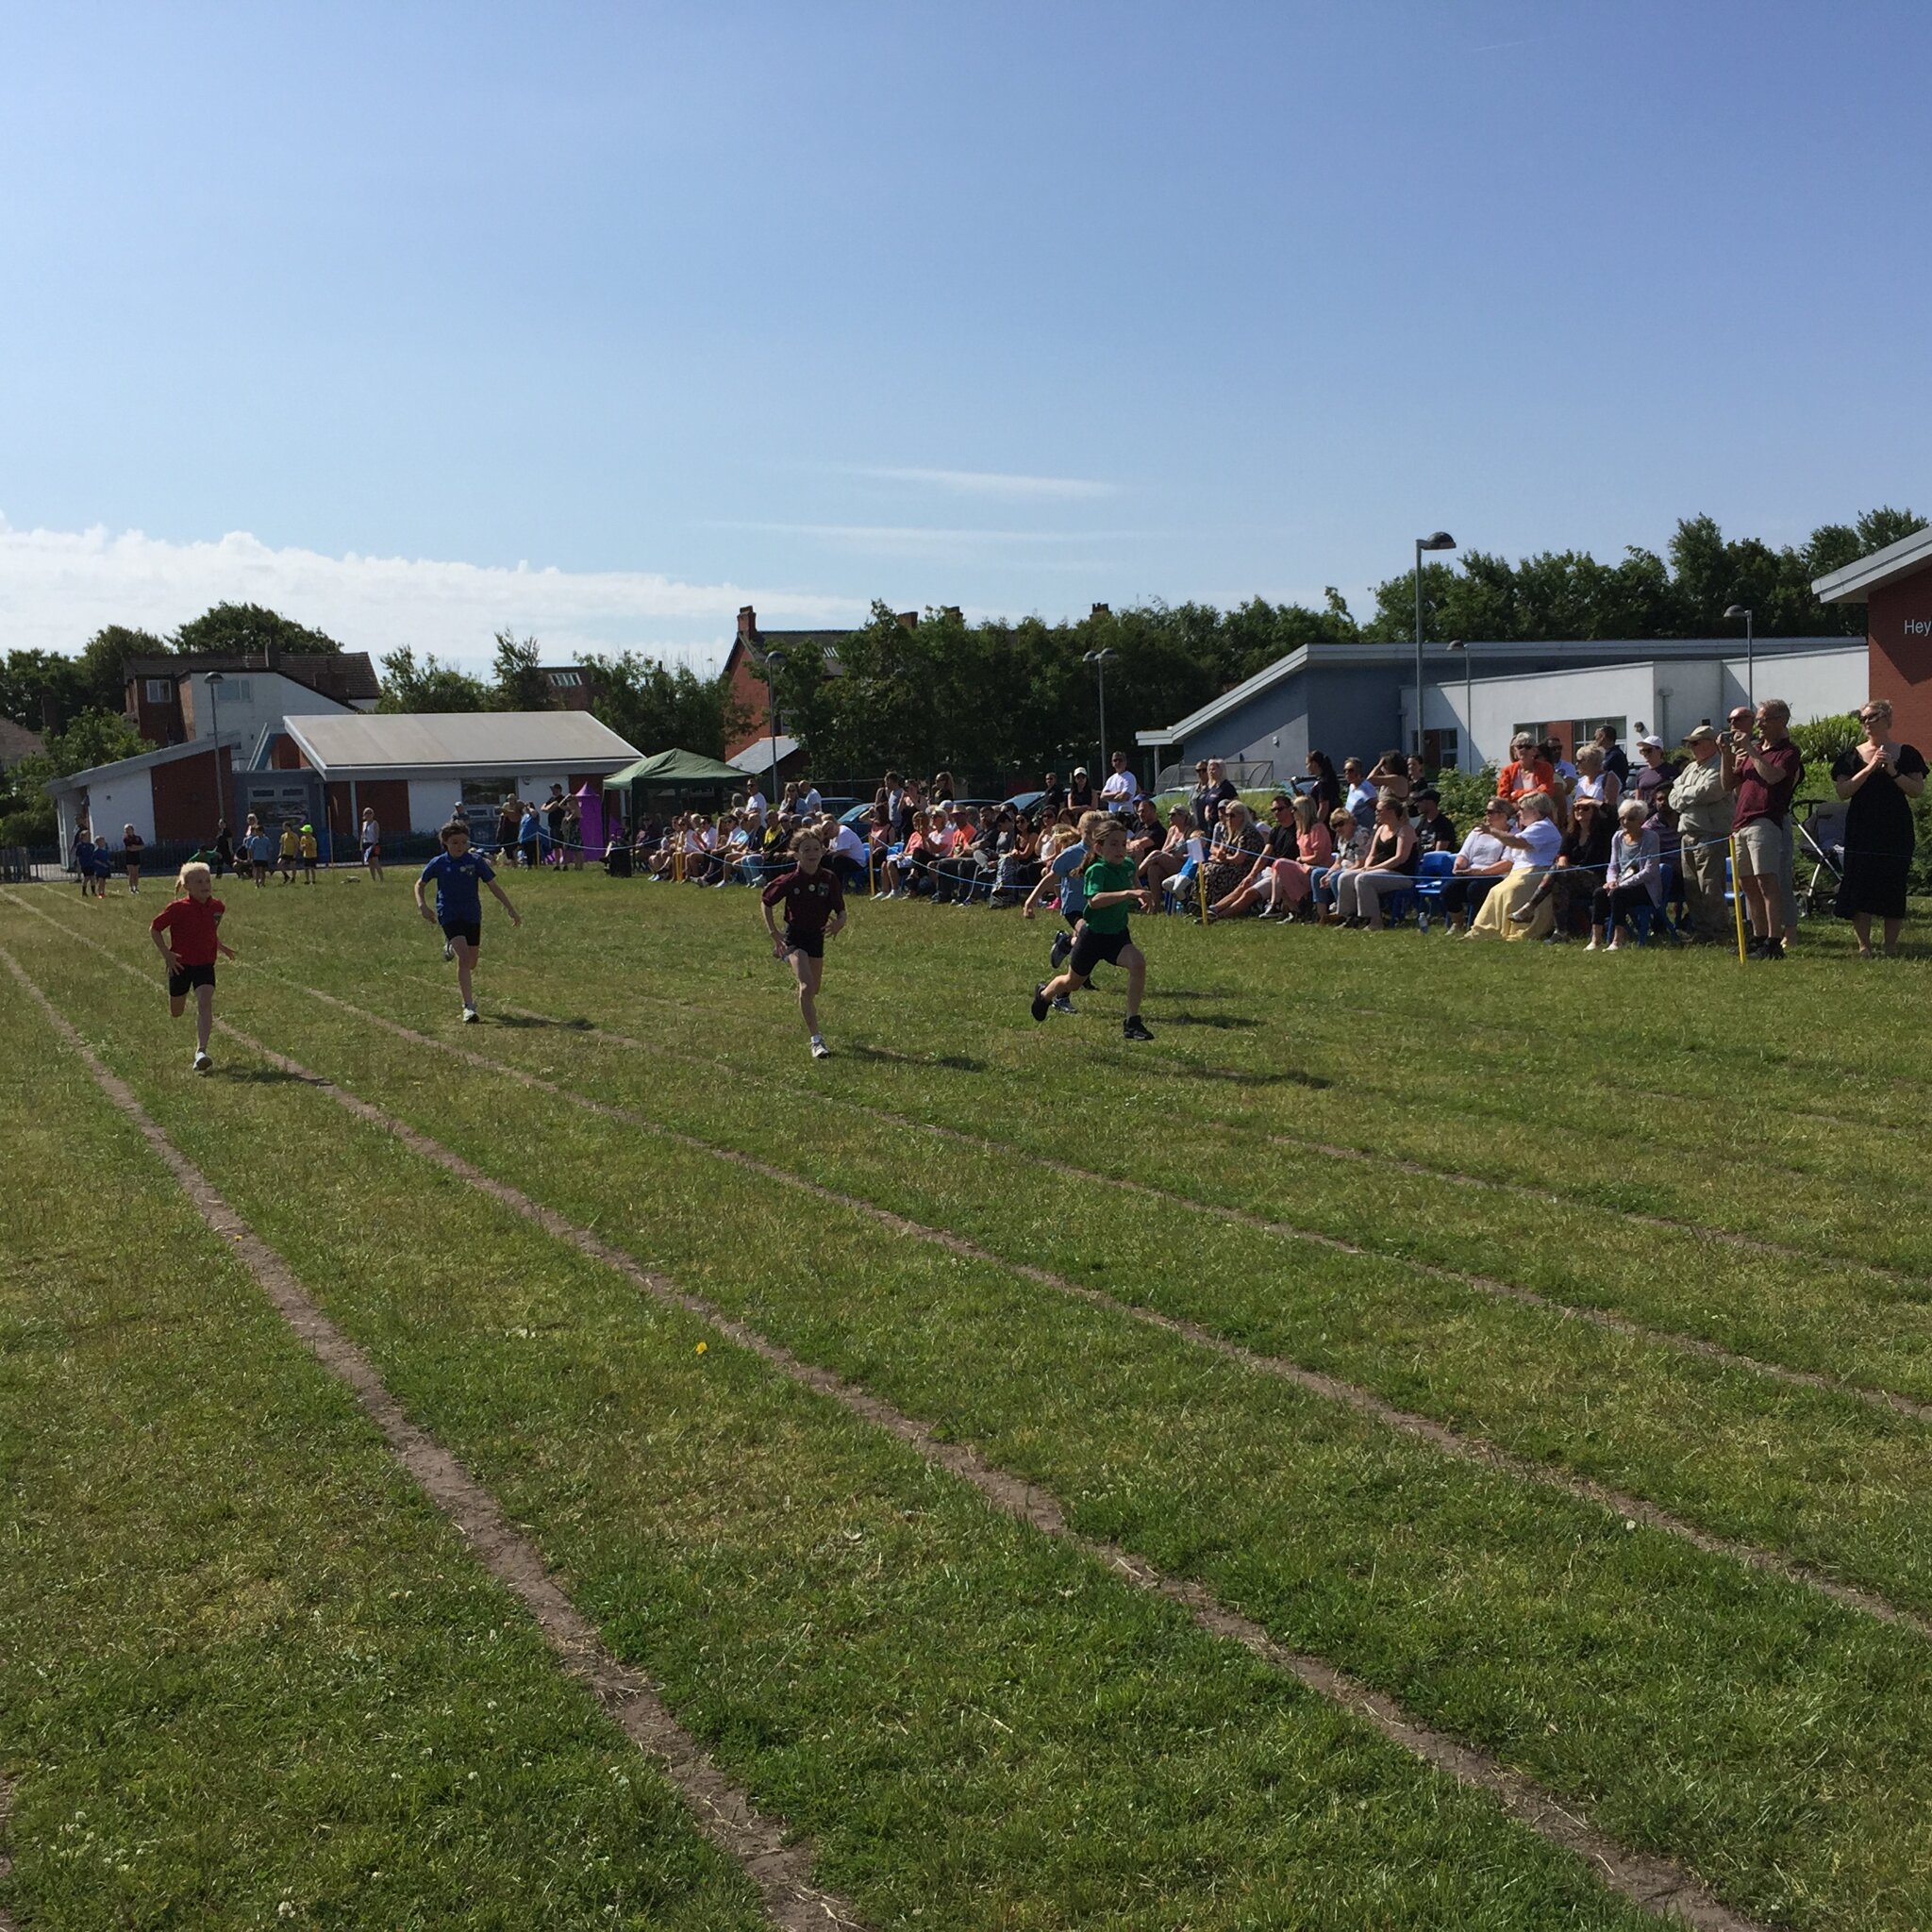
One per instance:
(1042, 1007)
(1132, 1028)
(1062, 946)
(1754, 948)
(1773, 949)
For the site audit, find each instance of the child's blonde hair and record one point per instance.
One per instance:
(1093, 823)
(193, 870)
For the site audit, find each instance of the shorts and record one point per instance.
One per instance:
(370, 852)
(472, 932)
(180, 981)
(1760, 849)
(810, 941)
(1091, 948)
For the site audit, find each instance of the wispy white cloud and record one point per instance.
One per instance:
(58, 587)
(920, 539)
(991, 482)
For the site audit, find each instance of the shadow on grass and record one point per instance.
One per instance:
(1235, 1076)
(951, 1062)
(531, 1022)
(262, 1076)
(1226, 1023)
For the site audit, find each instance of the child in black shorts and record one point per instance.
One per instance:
(1102, 934)
(814, 903)
(186, 933)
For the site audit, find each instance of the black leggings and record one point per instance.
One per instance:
(1612, 903)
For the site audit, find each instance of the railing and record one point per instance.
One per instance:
(1248, 774)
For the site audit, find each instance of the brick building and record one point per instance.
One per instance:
(169, 701)
(1895, 587)
(744, 673)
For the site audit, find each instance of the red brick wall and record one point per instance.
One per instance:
(749, 691)
(158, 723)
(1898, 636)
(184, 796)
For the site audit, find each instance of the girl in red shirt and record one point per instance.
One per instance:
(186, 934)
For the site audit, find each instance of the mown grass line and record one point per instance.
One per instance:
(247, 1677)
(781, 1872)
(1362, 1400)
(1811, 1478)
(1187, 1783)
(1678, 1691)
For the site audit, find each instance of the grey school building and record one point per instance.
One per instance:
(1360, 699)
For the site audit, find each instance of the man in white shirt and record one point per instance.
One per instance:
(849, 854)
(1360, 797)
(754, 807)
(811, 804)
(1121, 787)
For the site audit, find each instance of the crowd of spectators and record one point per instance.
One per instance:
(1583, 848)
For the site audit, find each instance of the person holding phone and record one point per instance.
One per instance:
(1761, 769)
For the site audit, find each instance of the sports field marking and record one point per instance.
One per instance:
(780, 1871)
(1329, 1388)
(1654, 1885)
(1605, 1319)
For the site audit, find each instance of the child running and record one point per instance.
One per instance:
(814, 903)
(1111, 895)
(459, 875)
(1067, 872)
(186, 932)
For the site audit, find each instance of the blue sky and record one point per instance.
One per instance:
(360, 308)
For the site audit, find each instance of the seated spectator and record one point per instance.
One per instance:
(1387, 867)
(908, 868)
(1171, 854)
(956, 873)
(845, 852)
(1358, 794)
(700, 843)
(1596, 780)
(1351, 852)
(1652, 784)
(1571, 883)
(1019, 870)
(1535, 844)
(1290, 881)
(1552, 754)
(1433, 831)
(1232, 854)
(1481, 862)
(1636, 873)
(1526, 771)
(1390, 776)
(1149, 834)
(1278, 843)
(1616, 760)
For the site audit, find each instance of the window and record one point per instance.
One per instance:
(235, 691)
(160, 690)
(566, 680)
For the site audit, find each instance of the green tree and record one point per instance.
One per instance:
(520, 684)
(658, 706)
(238, 628)
(430, 686)
(95, 738)
(35, 683)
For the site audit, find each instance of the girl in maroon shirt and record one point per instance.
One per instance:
(814, 903)
(187, 934)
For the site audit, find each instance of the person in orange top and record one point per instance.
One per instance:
(1526, 771)
(186, 933)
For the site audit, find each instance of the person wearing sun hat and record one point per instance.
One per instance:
(1704, 807)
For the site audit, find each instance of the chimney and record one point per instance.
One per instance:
(747, 624)
(909, 619)
(1101, 610)
(953, 611)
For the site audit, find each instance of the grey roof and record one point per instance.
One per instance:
(367, 744)
(1857, 581)
(346, 676)
(759, 756)
(146, 761)
(1579, 654)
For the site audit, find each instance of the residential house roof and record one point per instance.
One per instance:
(348, 678)
(369, 745)
(1857, 581)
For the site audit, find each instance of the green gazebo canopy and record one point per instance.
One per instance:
(668, 768)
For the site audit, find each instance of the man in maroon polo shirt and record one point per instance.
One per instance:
(1762, 769)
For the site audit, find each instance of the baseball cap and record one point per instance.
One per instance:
(1651, 743)
(1701, 734)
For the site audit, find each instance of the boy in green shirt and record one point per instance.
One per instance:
(1111, 895)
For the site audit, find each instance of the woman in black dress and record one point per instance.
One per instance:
(1877, 779)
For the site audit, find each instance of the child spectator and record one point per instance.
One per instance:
(310, 853)
(132, 846)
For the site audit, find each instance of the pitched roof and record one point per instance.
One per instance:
(370, 743)
(826, 643)
(348, 678)
(146, 761)
(1857, 581)
(762, 752)
(16, 740)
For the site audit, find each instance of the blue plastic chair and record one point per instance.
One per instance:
(1641, 917)
(1179, 892)
(1433, 871)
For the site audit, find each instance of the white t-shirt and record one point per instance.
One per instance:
(846, 844)
(1122, 784)
(1483, 849)
(1545, 841)
(755, 804)
(811, 804)
(1362, 802)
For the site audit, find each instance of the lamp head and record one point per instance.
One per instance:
(1736, 611)
(1442, 539)
(213, 677)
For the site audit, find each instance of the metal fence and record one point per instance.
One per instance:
(1249, 774)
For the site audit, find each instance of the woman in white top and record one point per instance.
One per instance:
(1534, 844)
(1595, 780)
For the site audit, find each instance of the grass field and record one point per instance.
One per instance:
(1530, 1349)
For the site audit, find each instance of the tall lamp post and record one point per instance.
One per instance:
(1098, 659)
(215, 680)
(1442, 539)
(1750, 655)
(774, 663)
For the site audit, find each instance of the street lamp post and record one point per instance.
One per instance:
(774, 663)
(1442, 539)
(1750, 655)
(1098, 659)
(214, 679)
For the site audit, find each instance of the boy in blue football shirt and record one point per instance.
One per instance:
(460, 874)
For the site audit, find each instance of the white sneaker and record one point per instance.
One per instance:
(202, 1062)
(819, 1049)
(471, 1016)
(449, 949)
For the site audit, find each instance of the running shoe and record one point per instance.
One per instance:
(201, 1063)
(819, 1049)
(1062, 946)
(1132, 1028)
(471, 1016)
(1041, 1004)
(1062, 1004)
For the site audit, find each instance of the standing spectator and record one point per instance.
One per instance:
(1201, 802)
(84, 859)
(1566, 769)
(1327, 789)
(810, 803)
(529, 838)
(1704, 810)
(1878, 778)
(755, 809)
(371, 844)
(260, 849)
(1122, 788)
(1762, 770)
(507, 816)
(1080, 793)
(554, 807)
(1616, 760)
(132, 845)
(1418, 773)
(1053, 799)
(225, 848)
(572, 850)
(1359, 801)
(1654, 781)
(1220, 790)
(1596, 780)
(1482, 861)
(1390, 777)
